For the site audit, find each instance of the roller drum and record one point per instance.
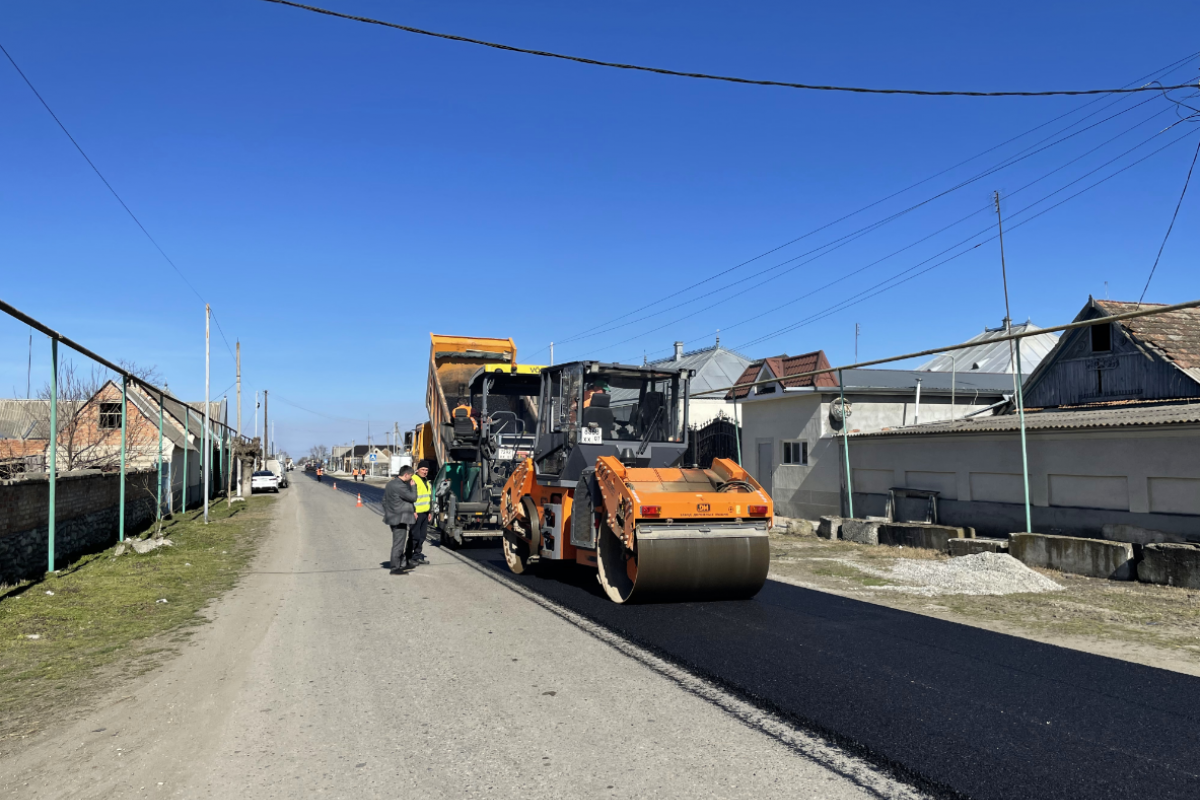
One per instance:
(685, 564)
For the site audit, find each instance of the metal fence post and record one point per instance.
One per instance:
(160, 456)
(187, 419)
(121, 491)
(1024, 449)
(846, 445)
(53, 449)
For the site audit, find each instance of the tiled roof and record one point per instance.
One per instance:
(785, 365)
(991, 356)
(1175, 334)
(1058, 419)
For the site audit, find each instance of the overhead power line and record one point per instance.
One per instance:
(1170, 227)
(104, 180)
(1161, 73)
(725, 78)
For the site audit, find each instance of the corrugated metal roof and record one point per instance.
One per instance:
(715, 367)
(993, 356)
(30, 419)
(1057, 419)
(989, 383)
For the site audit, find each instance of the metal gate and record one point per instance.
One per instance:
(717, 438)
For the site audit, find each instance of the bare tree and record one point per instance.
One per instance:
(319, 452)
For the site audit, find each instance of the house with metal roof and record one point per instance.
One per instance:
(716, 367)
(792, 422)
(1112, 429)
(989, 355)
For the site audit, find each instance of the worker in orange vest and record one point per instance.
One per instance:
(320, 472)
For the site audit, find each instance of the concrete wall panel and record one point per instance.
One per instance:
(945, 483)
(1090, 491)
(997, 487)
(1174, 495)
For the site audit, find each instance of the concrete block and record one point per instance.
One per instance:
(793, 527)
(861, 531)
(1171, 565)
(1095, 558)
(918, 534)
(1136, 535)
(830, 528)
(969, 546)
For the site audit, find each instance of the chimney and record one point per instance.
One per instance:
(679, 351)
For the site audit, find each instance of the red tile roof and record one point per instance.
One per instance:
(785, 365)
(1175, 334)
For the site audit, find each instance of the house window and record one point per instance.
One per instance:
(110, 415)
(795, 453)
(1101, 338)
(767, 389)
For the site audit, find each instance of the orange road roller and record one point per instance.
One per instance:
(604, 488)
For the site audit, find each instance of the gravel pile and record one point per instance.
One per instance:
(979, 574)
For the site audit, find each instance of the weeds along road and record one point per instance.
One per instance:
(322, 675)
(978, 713)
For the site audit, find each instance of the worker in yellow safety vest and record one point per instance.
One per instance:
(424, 502)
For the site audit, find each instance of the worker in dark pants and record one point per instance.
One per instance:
(398, 514)
(423, 505)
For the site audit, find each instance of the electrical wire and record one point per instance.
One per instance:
(318, 413)
(1170, 227)
(746, 289)
(887, 285)
(104, 180)
(1015, 158)
(724, 78)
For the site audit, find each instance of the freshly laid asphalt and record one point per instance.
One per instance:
(963, 710)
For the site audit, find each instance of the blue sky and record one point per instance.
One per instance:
(337, 191)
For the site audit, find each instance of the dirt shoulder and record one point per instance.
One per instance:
(78, 634)
(1158, 626)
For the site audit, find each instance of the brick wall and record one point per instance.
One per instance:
(86, 510)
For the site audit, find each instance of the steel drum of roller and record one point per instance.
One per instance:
(721, 561)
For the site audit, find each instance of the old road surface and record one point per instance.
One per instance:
(323, 676)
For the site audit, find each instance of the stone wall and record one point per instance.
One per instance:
(86, 509)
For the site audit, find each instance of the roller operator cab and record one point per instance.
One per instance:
(604, 487)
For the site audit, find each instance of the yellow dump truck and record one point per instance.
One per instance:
(481, 425)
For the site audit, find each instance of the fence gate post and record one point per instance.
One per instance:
(53, 449)
(121, 490)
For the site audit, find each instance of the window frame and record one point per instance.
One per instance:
(1095, 329)
(801, 446)
(105, 410)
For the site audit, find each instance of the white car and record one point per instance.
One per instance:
(264, 480)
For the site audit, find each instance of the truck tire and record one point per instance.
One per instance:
(517, 551)
(449, 522)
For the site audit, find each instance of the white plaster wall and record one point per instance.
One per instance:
(705, 409)
(814, 490)
(1114, 469)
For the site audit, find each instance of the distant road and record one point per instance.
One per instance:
(980, 713)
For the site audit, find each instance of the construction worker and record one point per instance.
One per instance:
(320, 472)
(424, 502)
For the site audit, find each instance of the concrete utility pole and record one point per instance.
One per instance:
(266, 431)
(552, 354)
(207, 443)
(239, 414)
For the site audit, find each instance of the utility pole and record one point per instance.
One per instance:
(207, 443)
(239, 418)
(1015, 350)
(552, 354)
(857, 331)
(266, 431)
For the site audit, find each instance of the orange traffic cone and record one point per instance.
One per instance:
(360, 501)
(335, 484)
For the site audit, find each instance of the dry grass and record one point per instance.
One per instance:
(101, 620)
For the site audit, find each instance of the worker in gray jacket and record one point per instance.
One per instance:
(399, 514)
